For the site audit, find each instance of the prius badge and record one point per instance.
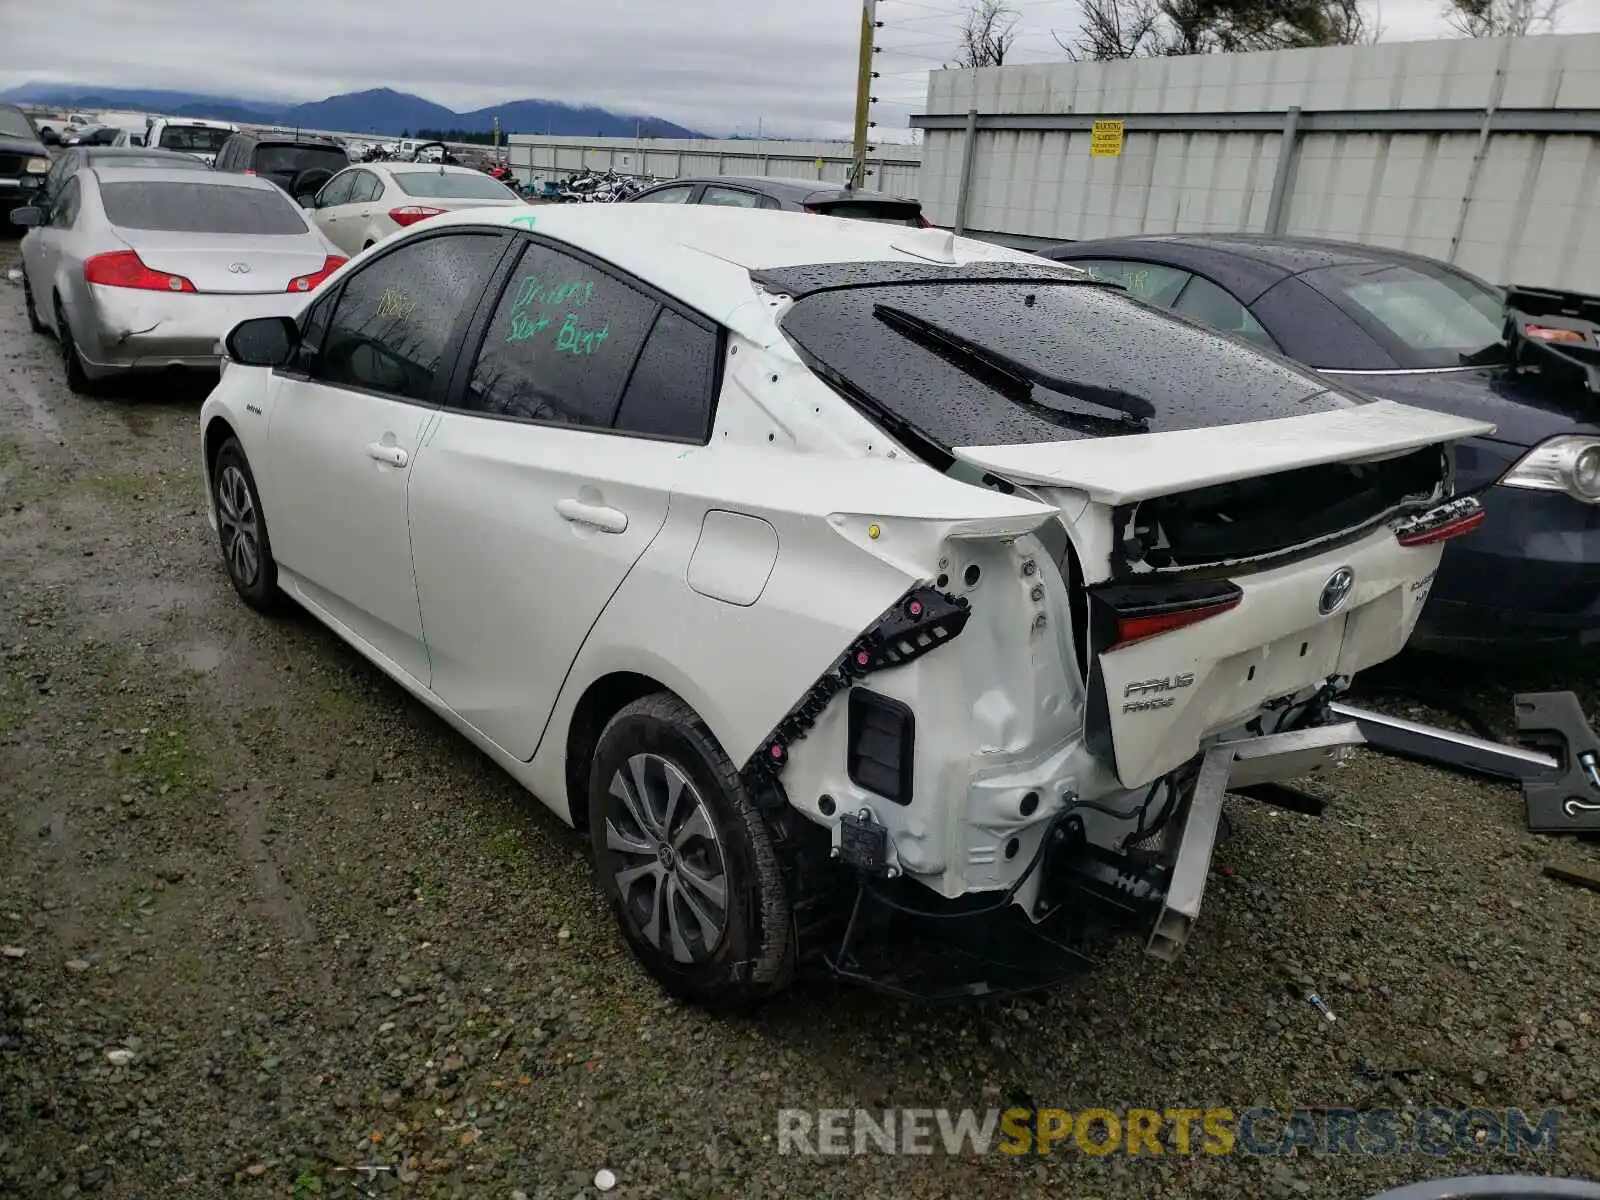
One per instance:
(1336, 591)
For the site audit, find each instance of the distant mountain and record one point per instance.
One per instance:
(381, 111)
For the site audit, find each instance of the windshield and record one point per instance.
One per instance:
(193, 139)
(981, 361)
(14, 123)
(1425, 318)
(200, 208)
(452, 185)
(290, 160)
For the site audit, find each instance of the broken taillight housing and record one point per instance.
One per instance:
(1451, 520)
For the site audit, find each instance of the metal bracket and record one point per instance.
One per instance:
(1557, 766)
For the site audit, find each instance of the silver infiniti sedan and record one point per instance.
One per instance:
(138, 269)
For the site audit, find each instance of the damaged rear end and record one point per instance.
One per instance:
(1040, 734)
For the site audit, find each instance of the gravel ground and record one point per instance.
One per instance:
(268, 921)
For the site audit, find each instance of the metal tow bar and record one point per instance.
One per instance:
(1557, 764)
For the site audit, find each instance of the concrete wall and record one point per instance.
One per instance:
(1483, 152)
(895, 169)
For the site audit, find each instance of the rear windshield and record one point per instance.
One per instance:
(200, 208)
(888, 213)
(961, 363)
(14, 123)
(291, 160)
(193, 139)
(1424, 318)
(451, 185)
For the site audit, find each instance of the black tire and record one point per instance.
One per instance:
(34, 323)
(78, 381)
(753, 955)
(249, 563)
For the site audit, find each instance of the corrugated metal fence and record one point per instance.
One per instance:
(1481, 152)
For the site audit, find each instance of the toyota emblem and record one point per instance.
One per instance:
(1336, 591)
(239, 268)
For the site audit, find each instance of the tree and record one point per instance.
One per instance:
(1502, 18)
(1112, 29)
(987, 34)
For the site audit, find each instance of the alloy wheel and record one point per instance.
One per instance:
(668, 864)
(241, 528)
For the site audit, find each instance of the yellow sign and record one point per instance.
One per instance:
(1105, 140)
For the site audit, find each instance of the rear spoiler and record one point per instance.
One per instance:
(1555, 331)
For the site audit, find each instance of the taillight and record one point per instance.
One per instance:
(1128, 614)
(923, 222)
(249, 170)
(304, 283)
(1441, 524)
(125, 269)
(813, 210)
(410, 214)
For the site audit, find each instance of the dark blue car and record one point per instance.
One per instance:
(1421, 332)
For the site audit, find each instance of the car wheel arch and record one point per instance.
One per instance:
(217, 433)
(603, 699)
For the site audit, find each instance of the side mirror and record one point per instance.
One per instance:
(28, 216)
(263, 341)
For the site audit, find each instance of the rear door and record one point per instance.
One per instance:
(546, 477)
(330, 205)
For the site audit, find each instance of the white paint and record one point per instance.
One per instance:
(491, 577)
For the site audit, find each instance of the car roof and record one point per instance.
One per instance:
(1246, 263)
(410, 167)
(704, 255)
(115, 152)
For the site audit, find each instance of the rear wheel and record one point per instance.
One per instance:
(78, 380)
(242, 530)
(686, 859)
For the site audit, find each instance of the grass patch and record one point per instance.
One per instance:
(10, 452)
(13, 703)
(124, 487)
(170, 763)
(508, 847)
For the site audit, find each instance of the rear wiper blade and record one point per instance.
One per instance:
(1013, 375)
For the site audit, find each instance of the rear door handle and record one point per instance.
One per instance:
(392, 455)
(597, 516)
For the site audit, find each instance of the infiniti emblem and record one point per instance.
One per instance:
(1336, 591)
(239, 268)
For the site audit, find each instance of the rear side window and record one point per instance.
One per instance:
(730, 197)
(671, 391)
(1207, 303)
(885, 212)
(368, 187)
(200, 208)
(395, 317)
(450, 185)
(1150, 282)
(561, 343)
(671, 195)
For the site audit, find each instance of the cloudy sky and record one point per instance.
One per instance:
(727, 66)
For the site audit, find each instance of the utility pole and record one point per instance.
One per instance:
(864, 77)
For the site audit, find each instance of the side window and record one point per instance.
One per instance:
(1205, 302)
(730, 197)
(769, 202)
(1150, 282)
(670, 391)
(394, 318)
(60, 171)
(65, 210)
(560, 344)
(336, 190)
(672, 195)
(368, 187)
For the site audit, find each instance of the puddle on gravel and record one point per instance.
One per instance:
(136, 419)
(203, 659)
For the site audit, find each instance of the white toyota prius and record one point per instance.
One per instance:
(878, 601)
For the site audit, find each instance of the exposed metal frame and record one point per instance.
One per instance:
(1456, 120)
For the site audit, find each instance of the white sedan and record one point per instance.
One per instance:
(364, 204)
(828, 572)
